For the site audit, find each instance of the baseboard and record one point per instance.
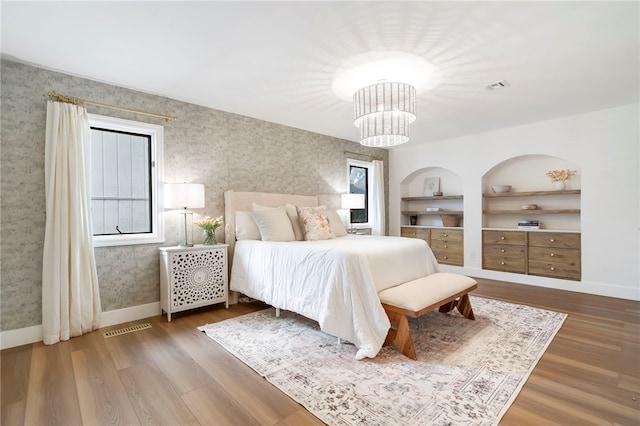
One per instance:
(588, 287)
(33, 334)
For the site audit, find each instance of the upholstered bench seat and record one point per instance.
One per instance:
(442, 290)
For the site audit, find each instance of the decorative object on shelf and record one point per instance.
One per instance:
(433, 209)
(501, 188)
(559, 177)
(529, 207)
(351, 201)
(431, 186)
(437, 194)
(209, 226)
(383, 113)
(184, 196)
(413, 220)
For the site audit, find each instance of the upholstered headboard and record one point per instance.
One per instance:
(238, 201)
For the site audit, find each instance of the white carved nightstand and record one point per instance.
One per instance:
(191, 277)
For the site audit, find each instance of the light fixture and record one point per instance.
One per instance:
(184, 196)
(384, 112)
(351, 201)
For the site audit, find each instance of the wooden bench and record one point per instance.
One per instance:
(415, 298)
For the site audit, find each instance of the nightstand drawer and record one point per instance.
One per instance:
(554, 239)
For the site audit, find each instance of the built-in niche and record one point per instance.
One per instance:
(417, 191)
(532, 197)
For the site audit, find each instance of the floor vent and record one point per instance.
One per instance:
(126, 330)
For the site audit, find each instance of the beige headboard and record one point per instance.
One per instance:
(234, 201)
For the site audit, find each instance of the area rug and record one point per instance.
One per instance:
(467, 372)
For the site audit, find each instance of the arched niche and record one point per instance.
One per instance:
(414, 185)
(527, 174)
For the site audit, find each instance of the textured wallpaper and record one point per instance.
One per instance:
(221, 150)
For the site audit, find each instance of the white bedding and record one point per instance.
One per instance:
(334, 282)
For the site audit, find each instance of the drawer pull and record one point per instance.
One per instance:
(501, 250)
(446, 257)
(445, 235)
(552, 240)
(502, 238)
(446, 246)
(552, 268)
(552, 255)
(502, 263)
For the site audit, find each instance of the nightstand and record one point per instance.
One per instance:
(192, 277)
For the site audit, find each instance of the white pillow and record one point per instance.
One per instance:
(246, 227)
(316, 224)
(336, 223)
(298, 229)
(274, 224)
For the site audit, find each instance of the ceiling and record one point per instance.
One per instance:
(276, 61)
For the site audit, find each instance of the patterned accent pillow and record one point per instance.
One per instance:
(316, 225)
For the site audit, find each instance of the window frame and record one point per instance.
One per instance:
(369, 166)
(156, 134)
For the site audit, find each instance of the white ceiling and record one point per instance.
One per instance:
(275, 61)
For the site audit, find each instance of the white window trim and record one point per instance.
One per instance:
(157, 141)
(369, 166)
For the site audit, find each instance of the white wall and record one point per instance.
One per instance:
(603, 145)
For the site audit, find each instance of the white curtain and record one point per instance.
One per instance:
(377, 199)
(70, 296)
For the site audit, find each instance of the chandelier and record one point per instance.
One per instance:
(383, 113)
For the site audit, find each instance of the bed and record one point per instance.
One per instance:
(332, 281)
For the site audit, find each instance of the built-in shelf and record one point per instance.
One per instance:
(531, 193)
(444, 197)
(439, 212)
(532, 211)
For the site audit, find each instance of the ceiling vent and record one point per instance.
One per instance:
(498, 85)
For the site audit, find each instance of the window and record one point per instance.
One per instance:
(125, 165)
(359, 183)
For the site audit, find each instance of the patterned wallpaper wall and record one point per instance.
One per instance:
(219, 149)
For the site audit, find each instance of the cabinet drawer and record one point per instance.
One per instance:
(422, 233)
(448, 258)
(504, 264)
(503, 250)
(563, 255)
(446, 235)
(554, 239)
(503, 237)
(563, 270)
(446, 246)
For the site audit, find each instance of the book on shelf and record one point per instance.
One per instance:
(528, 227)
(529, 224)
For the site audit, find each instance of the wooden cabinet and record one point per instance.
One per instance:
(504, 251)
(555, 254)
(548, 254)
(447, 244)
(191, 277)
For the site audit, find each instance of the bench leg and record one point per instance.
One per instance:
(401, 336)
(463, 304)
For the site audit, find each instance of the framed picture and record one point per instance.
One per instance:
(431, 185)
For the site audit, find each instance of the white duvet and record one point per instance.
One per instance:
(334, 282)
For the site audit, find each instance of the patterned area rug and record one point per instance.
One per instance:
(467, 372)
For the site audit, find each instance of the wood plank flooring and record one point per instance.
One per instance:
(172, 374)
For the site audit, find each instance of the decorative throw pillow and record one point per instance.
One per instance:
(316, 225)
(274, 224)
(246, 227)
(298, 230)
(336, 223)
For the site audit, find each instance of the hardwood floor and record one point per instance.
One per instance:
(173, 374)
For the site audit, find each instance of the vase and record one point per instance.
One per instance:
(559, 185)
(209, 237)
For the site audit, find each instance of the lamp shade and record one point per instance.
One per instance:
(352, 201)
(183, 195)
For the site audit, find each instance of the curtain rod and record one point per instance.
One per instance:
(363, 155)
(73, 100)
